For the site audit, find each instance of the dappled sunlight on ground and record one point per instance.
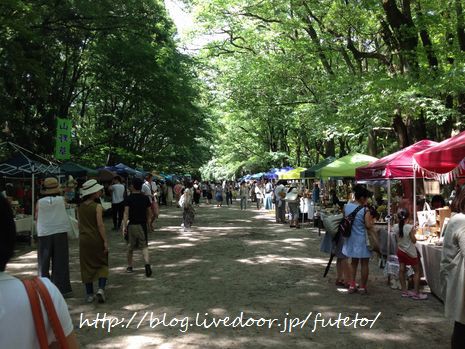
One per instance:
(234, 262)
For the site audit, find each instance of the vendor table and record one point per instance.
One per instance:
(431, 259)
(23, 224)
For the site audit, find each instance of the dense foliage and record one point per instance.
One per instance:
(110, 66)
(297, 80)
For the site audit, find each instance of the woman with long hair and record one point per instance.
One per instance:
(355, 246)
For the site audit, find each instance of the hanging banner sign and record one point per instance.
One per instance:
(63, 139)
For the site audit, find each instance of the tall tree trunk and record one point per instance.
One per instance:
(372, 143)
(401, 130)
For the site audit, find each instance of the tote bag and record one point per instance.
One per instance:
(427, 217)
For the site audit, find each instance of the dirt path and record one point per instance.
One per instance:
(232, 262)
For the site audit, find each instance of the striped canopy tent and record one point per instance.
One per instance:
(293, 174)
(445, 161)
(345, 166)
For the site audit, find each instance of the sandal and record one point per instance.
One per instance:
(362, 290)
(340, 283)
(419, 296)
(407, 294)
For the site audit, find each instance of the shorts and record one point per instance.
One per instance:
(294, 210)
(406, 259)
(136, 237)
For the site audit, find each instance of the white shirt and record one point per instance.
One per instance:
(51, 216)
(404, 243)
(117, 193)
(148, 189)
(16, 322)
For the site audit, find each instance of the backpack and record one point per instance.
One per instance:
(345, 226)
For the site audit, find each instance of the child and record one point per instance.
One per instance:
(407, 254)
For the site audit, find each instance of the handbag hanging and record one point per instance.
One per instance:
(37, 291)
(427, 217)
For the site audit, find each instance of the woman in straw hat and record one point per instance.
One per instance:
(93, 243)
(52, 227)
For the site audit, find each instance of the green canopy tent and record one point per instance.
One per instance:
(311, 172)
(345, 166)
(76, 170)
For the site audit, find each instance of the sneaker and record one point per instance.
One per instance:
(90, 298)
(419, 296)
(340, 283)
(100, 296)
(129, 270)
(352, 287)
(148, 270)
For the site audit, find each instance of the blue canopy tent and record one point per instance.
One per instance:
(27, 164)
(129, 170)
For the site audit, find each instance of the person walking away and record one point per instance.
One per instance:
(407, 254)
(136, 222)
(148, 190)
(118, 193)
(280, 195)
(219, 195)
(17, 327)
(243, 194)
(52, 232)
(355, 246)
(169, 193)
(188, 213)
(229, 193)
(316, 194)
(253, 196)
(452, 270)
(293, 200)
(93, 243)
(259, 195)
(268, 195)
(197, 193)
(177, 191)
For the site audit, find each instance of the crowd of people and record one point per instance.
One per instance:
(136, 209)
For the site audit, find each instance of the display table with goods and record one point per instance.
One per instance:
(23, 223)
(430, 261)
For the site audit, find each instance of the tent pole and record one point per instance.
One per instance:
(414, 197)
(32, 206)
(389, 219)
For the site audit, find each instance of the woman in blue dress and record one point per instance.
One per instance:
(355, 246)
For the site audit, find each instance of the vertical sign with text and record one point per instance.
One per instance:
(63, 139)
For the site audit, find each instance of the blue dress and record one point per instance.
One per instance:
(356, 245)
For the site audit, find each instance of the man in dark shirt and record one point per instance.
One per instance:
(136, 220)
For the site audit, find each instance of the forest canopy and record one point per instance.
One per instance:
(114, 69)
(280, 82)
(299, 80)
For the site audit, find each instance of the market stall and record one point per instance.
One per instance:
(345, 166)
(26, 165)
(394, 166)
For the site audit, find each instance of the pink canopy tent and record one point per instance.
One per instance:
(445, 161)
(394, 166)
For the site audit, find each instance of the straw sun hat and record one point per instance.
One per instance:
(90, 187)
(50, 186)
